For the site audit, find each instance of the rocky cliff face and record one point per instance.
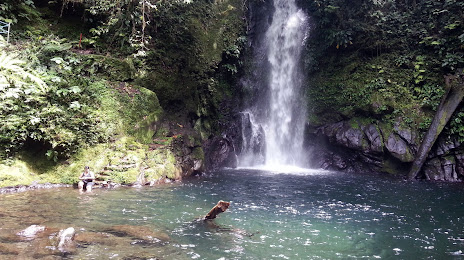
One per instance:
(356, 146)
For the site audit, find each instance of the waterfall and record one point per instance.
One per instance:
(278, 116)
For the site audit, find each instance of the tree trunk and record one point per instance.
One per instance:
(448, 105)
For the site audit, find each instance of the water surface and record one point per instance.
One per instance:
(307, 215)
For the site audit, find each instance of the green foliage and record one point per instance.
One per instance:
(374, 89)
(386, 26)
(456, 125)
(393, 70)
(57, 115)
(62, 100)
(56, 101)
(13, 10)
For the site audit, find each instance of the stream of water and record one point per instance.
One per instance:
(273, 127)
(301, 215)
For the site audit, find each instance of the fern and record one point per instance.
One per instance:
(13, 74)
(2, 42)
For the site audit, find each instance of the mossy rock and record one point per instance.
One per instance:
(113, 69)
(198, 153)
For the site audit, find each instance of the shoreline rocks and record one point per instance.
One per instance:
(33, 186)
(357, 146)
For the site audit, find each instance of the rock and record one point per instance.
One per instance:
(350, 137)
(356, 147)
(375, 138)
(252, 140)
(139, 232)
(460, 166)
(35, 186)
(88, 238)
(444, 145)
(352, 146)
(220, 153)
(441, 169)
(399, 148)
(66, 239)
(9, 249)
(339, 162)
(30, 232)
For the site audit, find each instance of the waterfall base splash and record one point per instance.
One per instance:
(286, 169)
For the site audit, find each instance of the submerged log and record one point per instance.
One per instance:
(448, 105)
(220, 207)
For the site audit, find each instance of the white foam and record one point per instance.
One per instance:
(286, 169)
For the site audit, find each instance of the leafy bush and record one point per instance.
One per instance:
(57, 115)
(13, 10)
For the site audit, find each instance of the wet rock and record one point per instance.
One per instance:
(31, 232)
(460, 165)
(350, 137)
(344, 134)
(407, 135)
(339, 162)
(189, 154)
(252, 140)
(353, 146)
(66, 239)
(33, 186)
(444, 145)
(221, 153)
(88, 238)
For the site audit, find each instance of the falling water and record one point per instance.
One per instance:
(282, 120)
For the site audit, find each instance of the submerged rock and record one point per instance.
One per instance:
(139, 232)
(9, 249)
(89, 238)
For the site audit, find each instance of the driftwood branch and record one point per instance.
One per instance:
(220, 207)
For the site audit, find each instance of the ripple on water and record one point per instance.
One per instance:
(315, 216)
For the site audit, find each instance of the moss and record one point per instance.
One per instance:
(109, 67)
(198, 153)
(130, 109)
(349, 85)
(17, 172)
(119, 162)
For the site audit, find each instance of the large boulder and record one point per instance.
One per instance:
(399, 148)
(375, 138)
(220, 153)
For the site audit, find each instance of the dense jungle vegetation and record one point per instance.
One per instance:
(79, 74)
(383, 60)
(86, 76)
